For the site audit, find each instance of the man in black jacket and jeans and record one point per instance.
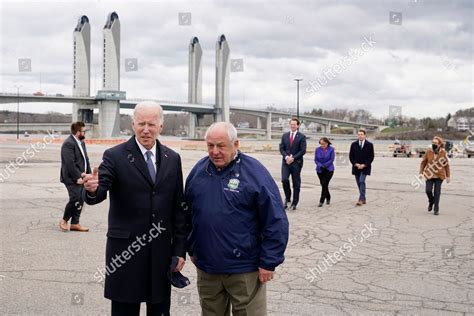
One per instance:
(361, 156)
(74, 163)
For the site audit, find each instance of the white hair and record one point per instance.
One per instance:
(229, 128)
(149, 105)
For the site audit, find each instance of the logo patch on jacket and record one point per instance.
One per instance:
(233, 184)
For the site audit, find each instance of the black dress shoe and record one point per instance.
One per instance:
(436, 212)
(328, 202)
(293, 207)
(286, 205)
(320, 204)
(430, 207)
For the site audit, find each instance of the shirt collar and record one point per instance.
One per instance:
(144, 150)
(77, 140)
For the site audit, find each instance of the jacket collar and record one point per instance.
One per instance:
(232, 168)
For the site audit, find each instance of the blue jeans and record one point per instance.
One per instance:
(433, 199)
(360, 179)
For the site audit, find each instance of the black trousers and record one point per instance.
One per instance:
(324, 179)
(74, 206)
(434, 198)
(295, 171)
(133, 309)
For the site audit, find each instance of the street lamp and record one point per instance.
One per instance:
(17, 111)
(298, 97)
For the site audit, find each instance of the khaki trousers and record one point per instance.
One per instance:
(242, 291)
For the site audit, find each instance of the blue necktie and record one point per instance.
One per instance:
(149, 164)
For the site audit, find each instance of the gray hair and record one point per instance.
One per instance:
(230, 129)
(150, 105)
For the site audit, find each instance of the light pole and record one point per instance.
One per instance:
(298, 98)
(17, 112)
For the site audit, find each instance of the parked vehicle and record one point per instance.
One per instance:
(469, 151)
(448, 146)
(400, 149)
(38, 93)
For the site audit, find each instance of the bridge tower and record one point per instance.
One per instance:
(222, 79)
(82, 70)
(194, 82)
(109, 110)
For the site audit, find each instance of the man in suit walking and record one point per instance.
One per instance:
(361, 156)
(146, 223)
(292, 150)
(74, 163)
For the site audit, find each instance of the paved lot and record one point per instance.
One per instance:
(402, 259)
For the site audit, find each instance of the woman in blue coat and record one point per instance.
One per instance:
(324, 158)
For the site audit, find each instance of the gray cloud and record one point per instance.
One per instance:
(425, 64)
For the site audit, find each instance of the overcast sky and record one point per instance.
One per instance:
(422, 62)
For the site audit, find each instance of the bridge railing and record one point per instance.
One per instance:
(165, 101)
(56, 95)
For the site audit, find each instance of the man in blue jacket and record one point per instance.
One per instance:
(239, 226)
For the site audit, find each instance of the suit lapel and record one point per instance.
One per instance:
(135, 157)
(162, 159)
(83, 145)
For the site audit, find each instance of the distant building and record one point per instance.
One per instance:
(302, 128)
(461, 123)
(243, 125)
(280, 124)
(452, 123)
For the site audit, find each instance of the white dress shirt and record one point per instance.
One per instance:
(79, 143)
(144, 150)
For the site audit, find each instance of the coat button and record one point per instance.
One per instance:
(153, 193)
(152, 215)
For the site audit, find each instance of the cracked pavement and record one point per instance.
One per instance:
(413, 263)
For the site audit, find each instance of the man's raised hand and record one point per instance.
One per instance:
(91, 181)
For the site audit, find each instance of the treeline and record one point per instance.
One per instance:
(364, 116)
(359, 115)
(55, 117)
(49, 117)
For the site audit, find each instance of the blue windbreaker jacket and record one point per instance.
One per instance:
(238, 220)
